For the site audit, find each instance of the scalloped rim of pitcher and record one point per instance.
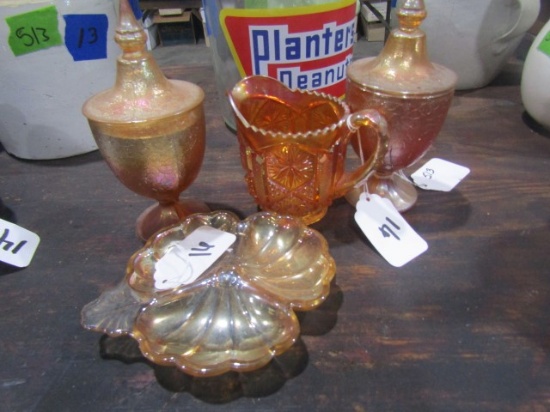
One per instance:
(343, 118)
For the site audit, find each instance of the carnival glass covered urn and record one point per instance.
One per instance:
(414, 96)
(149, 129)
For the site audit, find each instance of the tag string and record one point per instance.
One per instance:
(363, 182)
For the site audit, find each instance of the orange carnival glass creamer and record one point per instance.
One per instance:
(305, 44)
(293, 146)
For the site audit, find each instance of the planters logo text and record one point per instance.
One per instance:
(303, 47)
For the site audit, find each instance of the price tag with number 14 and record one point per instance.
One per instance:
(386, 229)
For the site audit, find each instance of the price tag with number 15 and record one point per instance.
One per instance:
(439, 174)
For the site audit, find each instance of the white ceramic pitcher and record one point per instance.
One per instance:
(43, 91)
(475, 38)
(535, 91)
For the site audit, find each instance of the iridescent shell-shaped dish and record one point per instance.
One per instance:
(238, 314)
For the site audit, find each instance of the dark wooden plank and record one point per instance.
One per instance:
(462, 327)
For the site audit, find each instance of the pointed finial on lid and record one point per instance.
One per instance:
(411, 14)
(130, 35)
(403, 66)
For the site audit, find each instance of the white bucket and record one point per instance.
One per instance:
(43, 89)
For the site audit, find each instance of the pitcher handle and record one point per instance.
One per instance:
(527, 17)
(365, 118)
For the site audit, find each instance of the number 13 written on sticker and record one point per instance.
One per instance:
(86, 36)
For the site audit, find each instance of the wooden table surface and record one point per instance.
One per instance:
(464, 327)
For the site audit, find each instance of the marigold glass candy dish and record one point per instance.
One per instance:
(235, 316)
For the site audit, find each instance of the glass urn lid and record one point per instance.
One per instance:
(141, 91)
(403, 66)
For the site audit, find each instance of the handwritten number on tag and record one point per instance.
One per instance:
(17, 245)
(8, 245)
(387, 231)
(439, 174)
(204, 247)
(188, 258)
(428, 173)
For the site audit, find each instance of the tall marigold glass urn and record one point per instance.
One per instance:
(149, 129)
(411, 93)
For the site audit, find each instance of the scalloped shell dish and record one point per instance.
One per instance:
(238, 314)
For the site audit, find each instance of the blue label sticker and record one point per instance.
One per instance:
(134, 4)
(86, 36)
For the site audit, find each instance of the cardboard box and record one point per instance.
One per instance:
(380, 6)
(171, 12)
(185, 17)
(202, 17)
(374, 31)
(147, 18)
(152, 36)
(151, 29)
(177, 29)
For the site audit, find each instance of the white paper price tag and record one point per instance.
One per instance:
(388, 232)
(438, 174)
(187, 259)
(17, 245)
